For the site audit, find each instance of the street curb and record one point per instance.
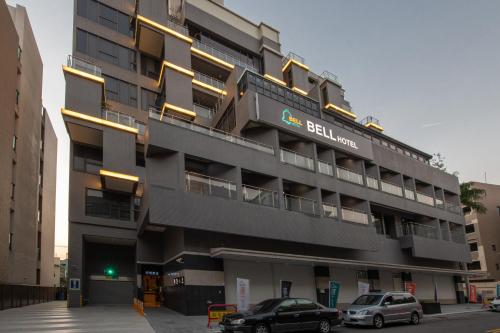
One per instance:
(442, 315)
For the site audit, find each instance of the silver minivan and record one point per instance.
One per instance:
(377, 309)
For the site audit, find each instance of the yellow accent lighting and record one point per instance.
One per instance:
(99, 121)
(118, 175)
(83, 74)
(300, 91)
(164, 29)
(178, 109)
(292, 61)
(174, 67)
(375, 126)
(338, 109)
(211, 57)
(272, 78)
(209, 87)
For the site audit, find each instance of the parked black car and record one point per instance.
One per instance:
(282, 315)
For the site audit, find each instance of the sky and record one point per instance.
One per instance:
(429, 70)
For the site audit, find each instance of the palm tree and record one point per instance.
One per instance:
(471, 196)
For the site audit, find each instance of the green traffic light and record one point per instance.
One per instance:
(109, 271)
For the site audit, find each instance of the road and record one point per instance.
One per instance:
(477, 322)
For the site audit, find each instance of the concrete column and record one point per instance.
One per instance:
(280, 194)
(239, 188)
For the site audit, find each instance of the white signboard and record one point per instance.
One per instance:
(363, 288)
(242, 294)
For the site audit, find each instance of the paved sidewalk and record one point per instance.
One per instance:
(164, 320)
(453, 309)
(56, 317)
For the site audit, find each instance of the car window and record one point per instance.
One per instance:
(287, 305)
(367, 300)
(305, 304)
(410, 299)
(398, 299)
(388, 299)
(265, 306)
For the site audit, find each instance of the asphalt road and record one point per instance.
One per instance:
(477, 322)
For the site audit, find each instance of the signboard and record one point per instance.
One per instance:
(411, 287)
(242, 294)
(286, 288)
(472, 294)
(334, 288)
(74, 284)
(363, 288)
(305, 125)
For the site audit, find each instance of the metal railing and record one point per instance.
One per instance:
(325, 168)
(301, 204)
(391, 188)
(203, 111)
(329, 210)
(372, 182)
(425, 199)
(221, 55)
(409, 194)
(209, 80)
(417, 229)
(170, 119)
(294, 158)
(439, 203)
(212, 186)
(84, 65)
(349, 175)
(123, 119)
(353, 215)
(458, 236)
(370, 119)
(17, 295)
(260, 196)
(295, 57)
(453, 208)
(330, 76)
(172, 23)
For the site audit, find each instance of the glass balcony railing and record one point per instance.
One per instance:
(325, 168)
(330, 76)
(458, 236)
(329, 210)
(209, 80)
(260, 196)
(349, 175)
(372, 182)
(301, 205)
(417, 229)
(206, 185)
(84, 65)
(425, 199)
(123, 119)
(409, 194)
(170, 119)
(439, 203)
(296, 159)
(353, 215)
(391, 188)
(222, 55)
(453, 208)
(295, 57)
(203, 111)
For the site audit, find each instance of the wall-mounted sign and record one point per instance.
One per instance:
(242, 294)
(74, 284)
(411, 287)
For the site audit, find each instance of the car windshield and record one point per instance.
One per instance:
(265, 306)
(368, 300)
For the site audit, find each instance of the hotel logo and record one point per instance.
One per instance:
(287, 118)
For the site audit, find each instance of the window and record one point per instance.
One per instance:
(498, 210)
(87, 158)
(148, 99)
(106, 204)
(473, 266)
(228, 120)
(139, 156)
(105, 50)
(497, 266)
(137, 208)
(11, 240)
(287, 305)
(304, 305)
(121, 91)
(410, 299)
(469, 228)
(473, 247)
(14, 143)
(150, 67)
(493, 247)
(12, 190)
(104, 15)
(17, 97)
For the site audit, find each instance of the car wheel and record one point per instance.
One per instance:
(378, 321)
(261, 328)
(415, 318)
(324, 326)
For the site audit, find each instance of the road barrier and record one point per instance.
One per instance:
(139, 306)
(15, 295)
(217, 311)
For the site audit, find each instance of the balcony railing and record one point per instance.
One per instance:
(349, 175)
(209, 80)
(206, 185)
(301, 204)
(123, 119)
(353, 215)
(325, 168)
(295, 57)
(294, 158)
(439, 203)
(391, 188)
(372, 182)
(458, 236)
(409, 194)
(260, 196)
(330, 76)
(170, 119)
(425, 199)
(417, 229)
(453, 208)
(84, 65)
(221, 55)
(329, 210)
(203, 111)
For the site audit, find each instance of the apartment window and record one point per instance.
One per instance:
(498, 210)
(473, 247)
(137, 208)
(12, 190)
(493, 247)
(14, 143)
(469, 228)
(121, 91)
(106, 16)
(105, 50)
(150, 67)
(139, 156)
(497, 267)
(11, 240)
(141, 127)
(148, 99)
(228, 120)
(106, 204)
(17, 97)
(473, 266)
(87, 158)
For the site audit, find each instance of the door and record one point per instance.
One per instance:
(309, 314)
(287, 318)
(389, 309)
(398, 309)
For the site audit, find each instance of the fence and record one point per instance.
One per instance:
(14, 296)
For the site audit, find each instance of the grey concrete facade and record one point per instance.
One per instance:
(241, 156)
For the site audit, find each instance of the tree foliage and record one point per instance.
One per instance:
(437, 161)
(471, 196)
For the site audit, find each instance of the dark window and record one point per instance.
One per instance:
(11, 240)
(107, 205)
(12, 190)
(493, 247)
(228, 120)
(139, 156)
(475, 265)
(304, 305)
(87, 158)
(497, 267)
(137, 208)
(121, 91)
(38, 276)
(473, 247)
(498, 210)
(148, 99)
(150, 67)
(469, 228)
(410, 299)
(287, 305)
(104, 15)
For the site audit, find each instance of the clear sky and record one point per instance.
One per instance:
(428, 69)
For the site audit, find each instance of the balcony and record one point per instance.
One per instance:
(372, 182)
(209, 83)
(409, 194)
(180, 122)
(123, 119)
(260, 196)
(329, 210)
(331, 77)
(349, 175)
(296, 159)
(425, 199)
(222, 58)
(211, 186)
(417, 229)
(293, 58)
(203, 111)
(301, 205)
(453, 208)
(391, 188)
(439, 203)
(86, 66)
(325, 168)
(353, 215)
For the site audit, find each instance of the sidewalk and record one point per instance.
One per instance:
(164, 320)
(455, 309)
